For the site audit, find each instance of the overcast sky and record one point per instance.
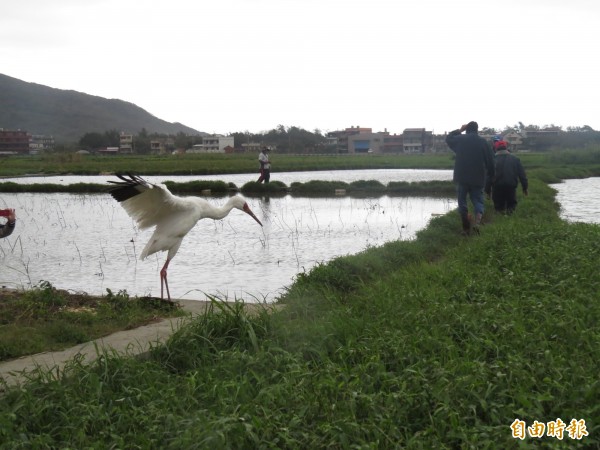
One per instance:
(222, 66)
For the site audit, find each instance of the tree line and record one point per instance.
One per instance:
(297, 140)
(285, 139)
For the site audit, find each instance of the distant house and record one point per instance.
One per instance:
(126, 142)
(161, 145)
(332, 139)
(363, 140)
(217, 143)
(540, 139)
(251, 147)
(366, 143)
(40, 143)
(343, 139)
(213, 144)
(417, 140)
(514, 139)
(14, 142)
(393, 143)
(108, 151)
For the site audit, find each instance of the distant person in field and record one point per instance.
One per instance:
(7, 228)
(474, 162)
(509, 172)
(265, 165)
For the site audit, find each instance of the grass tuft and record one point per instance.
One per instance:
(47, 319)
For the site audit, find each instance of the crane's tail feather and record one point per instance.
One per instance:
(130, 186)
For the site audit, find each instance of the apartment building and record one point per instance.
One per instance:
(417, 140)
(213, 144)
(125, 143)
(162, 145)
(393, 143)
(14, 142)
(217, 143)
(363, 140)
(40, 143)
(341, 138)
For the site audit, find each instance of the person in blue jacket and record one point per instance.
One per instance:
(473, 164)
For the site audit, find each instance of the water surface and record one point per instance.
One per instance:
(88, 243)
(579, 199)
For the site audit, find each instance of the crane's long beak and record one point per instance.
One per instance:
(249, 211)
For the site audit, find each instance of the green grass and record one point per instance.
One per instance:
(439, 342)
(47, 319)
(215, 164)
(208, 164)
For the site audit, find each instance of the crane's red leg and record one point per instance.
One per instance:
(163, 280)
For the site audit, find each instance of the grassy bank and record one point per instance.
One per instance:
(46, 319)
(440, 342)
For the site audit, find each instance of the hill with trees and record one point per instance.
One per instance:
(68, 115)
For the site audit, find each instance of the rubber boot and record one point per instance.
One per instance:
(466, 224)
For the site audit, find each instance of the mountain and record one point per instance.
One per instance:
(68, 115)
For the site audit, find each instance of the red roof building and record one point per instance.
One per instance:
(14, 142)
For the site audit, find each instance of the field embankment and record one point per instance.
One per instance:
(440, 342)
(216, 164)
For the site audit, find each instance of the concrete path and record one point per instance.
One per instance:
(130, 342)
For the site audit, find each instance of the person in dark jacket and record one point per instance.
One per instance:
(503, 187)
(474, 163)
(7, 228)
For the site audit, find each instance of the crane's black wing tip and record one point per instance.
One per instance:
(128, 187)
(123, 193)
(128, 178)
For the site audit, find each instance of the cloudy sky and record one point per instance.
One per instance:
(222, 66)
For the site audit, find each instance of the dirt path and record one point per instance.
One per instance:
(130, 342)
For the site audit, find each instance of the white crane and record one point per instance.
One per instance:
(154, 205)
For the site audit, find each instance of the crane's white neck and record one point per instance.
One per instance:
(219, 212)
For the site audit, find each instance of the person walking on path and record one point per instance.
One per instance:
(503, 187)
(473, 164)
(265, 165)
(7, 228)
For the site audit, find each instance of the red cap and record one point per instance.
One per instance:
(500, 145)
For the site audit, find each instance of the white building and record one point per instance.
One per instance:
(126, 142)
(212, 144)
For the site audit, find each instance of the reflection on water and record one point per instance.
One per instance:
(579, 199)
(88, 243)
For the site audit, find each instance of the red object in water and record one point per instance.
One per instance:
(5, 212)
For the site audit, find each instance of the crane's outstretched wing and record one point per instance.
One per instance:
(146, 203)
